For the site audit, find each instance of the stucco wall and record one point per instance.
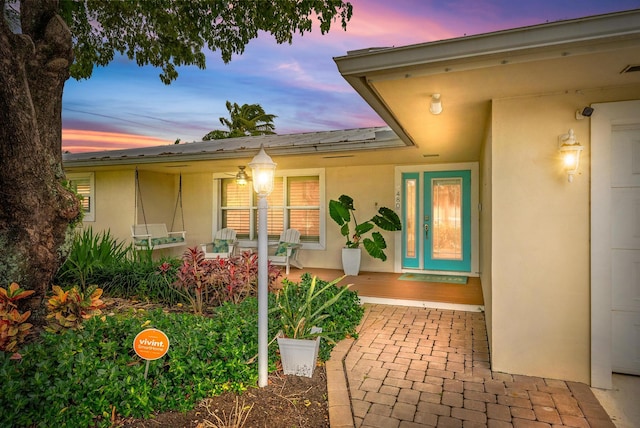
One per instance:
(198, 207)
(371, 187)
(157, 196)
(485, 230)
(540, 241)
(114, 196)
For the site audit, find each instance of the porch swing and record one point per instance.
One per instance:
(155, 236)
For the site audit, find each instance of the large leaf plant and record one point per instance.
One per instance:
(342, 211)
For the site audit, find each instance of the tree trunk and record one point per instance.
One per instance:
(35, 207)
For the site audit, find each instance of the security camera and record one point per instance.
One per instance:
(585, 112)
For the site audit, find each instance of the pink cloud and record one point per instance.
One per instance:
(76, 141)
(297, 76)
(395, 27)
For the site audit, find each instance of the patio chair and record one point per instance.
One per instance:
(285, 252)
(223, 245)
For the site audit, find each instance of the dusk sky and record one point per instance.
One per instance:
(125, 106)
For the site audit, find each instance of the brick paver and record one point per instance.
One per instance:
(419, 367)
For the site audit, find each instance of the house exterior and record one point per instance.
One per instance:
(479, 185)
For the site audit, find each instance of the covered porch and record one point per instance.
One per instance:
(388, 288)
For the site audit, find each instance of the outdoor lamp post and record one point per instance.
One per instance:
(263, 169)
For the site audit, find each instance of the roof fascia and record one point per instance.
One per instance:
(589, 30)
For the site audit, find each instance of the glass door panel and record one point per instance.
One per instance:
(410, 220)
(446, 223)
(447, 220)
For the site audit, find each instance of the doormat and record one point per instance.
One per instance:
(427, 277)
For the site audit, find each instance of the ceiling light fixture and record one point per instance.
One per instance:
(436, 104)
(241, 177)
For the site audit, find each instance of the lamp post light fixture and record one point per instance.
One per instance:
(570, 150)
(263, 170)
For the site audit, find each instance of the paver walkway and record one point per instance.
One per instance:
(416, 367)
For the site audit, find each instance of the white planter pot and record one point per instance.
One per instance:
(351, 261)
(298, 356)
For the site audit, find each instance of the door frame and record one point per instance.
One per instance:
(475, 211)
(606, 117)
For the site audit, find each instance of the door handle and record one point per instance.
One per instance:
(426, 231)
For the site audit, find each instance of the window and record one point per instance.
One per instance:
(296, 202)
(83, 183)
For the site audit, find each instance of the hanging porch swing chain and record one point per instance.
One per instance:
(178, 201)
(139, 196)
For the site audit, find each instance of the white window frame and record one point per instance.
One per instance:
(319, 172)
(91, 214)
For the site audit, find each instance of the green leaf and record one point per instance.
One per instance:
(339, 213)
(347, 202)
(363, 228)
(387, 220)
(374, 247)
(344, 231)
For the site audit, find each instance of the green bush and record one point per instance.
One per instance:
(78, 378)
(342, 318)
(88, 252)
(140, 279)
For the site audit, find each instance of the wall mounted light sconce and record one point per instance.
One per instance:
(570, 150)
(436, 104)
(584, 112)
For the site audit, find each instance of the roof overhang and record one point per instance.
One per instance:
(472, 71)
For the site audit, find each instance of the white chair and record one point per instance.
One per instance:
(223, 245)
(285, 253)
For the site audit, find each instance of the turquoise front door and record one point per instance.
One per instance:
(447, 220)
(437, 220)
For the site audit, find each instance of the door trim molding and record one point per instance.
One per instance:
(607, 116)
(475, 211)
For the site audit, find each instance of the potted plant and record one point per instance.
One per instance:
(301, 311)
(342, 212)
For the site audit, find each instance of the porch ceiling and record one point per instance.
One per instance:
(566, 57)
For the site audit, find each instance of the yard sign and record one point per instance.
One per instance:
(150, 344)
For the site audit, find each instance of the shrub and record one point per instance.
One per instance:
(13, 326)
(83, 377)
(69, 309)
(141, 280)
(215, 281)
(90, 251)
(300, 310)
(342, 315)
(80, 377)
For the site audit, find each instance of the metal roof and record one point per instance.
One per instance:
(230, 148)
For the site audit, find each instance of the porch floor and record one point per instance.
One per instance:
(386, 287)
